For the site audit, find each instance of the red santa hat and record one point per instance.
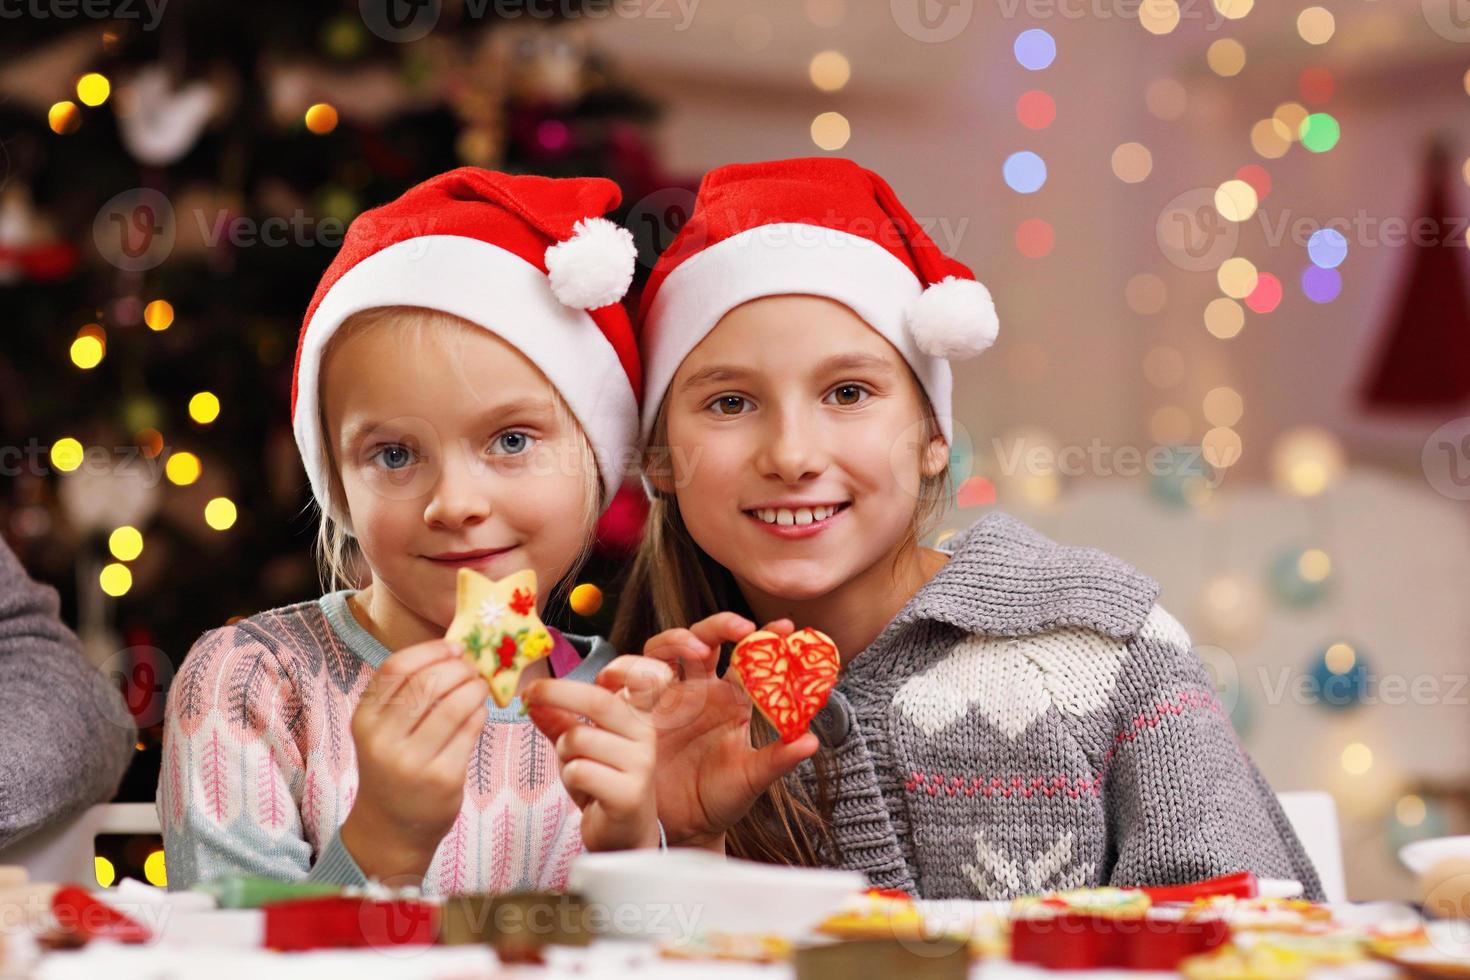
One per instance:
(530, 259)
(820, 226)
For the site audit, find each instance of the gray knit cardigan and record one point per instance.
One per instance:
(1033, 720)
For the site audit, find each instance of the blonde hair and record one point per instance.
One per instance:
(340, 562)
(673, 582)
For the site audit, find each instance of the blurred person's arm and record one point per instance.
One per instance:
(67, 736)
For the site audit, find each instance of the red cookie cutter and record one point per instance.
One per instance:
(335, 921)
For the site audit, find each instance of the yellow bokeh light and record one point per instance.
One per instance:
(1224, 318)
(106, 874)
(321, 118)
(1132, 163)
(87, 351)
(1306, 461)
(126, 543)
(93, 89)
(159, 315)
(586, 599)
(1226, 57)
(115, 579)
(1314, 565)
(1291, 115)
(1146, 293)
(1340, 658)
(64, 117)
(1271, 138)
(1221, 447)
(1236, 200)
(204, 407)
(220, 513)
(182, 469)
(1224, 406)
(1163, 366)
(1234, 9)
(154, 870)
(831, 131)
(1410, 810)
(1238, 277)
(829, 70)
(1316, 25)
(1357, 759)
(1159, 16)
(66, 454)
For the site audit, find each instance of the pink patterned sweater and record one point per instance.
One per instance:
(259, 768)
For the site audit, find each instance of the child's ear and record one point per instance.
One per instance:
(658, 470)
(935, 457)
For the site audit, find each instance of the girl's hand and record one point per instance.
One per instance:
(709, 775)
(415, 730)
(606, 746)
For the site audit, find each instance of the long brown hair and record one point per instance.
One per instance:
(673, 582)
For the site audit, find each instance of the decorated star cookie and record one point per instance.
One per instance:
(498, 626)
(788, 678)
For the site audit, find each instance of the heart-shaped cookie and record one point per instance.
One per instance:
(788, 678)
(497, 624)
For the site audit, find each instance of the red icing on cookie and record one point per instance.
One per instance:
(789, 678)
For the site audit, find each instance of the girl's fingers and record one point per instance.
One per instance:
(609, 787)
(775, 761)
(437, 726)
(781, 627)
(552, 722)
(643, 679)
(462, 741)
(596, 745)
(725, 627)
(600, 706)
(396, 671)
(692, 658)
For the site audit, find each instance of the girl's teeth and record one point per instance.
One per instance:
(784, 517)
(804, 516)
(795, 518)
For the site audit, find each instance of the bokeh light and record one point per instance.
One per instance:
(1035, 238)
(159, 315)
(155, 871)
(204, 407)
(1306, 461)
(220, 513)
(1025, 172)
(1167, 99)
(1224, 318)
(182, 469)
(125, 543)
(1146, 293)
(1316, 85)
(105, 873)
(1132, 163)
(64, 118)
(829, 70)
(1255, 175)
(1321, 285)
(1357, 759)
(1035, 49)
(1267, 294)
(1226, 57)
(87, 351)
(1238, 277)
(1327, 248)
(1223, 406)
(321, 118)
(1159, 16)
(1270, 138)
(1316, 25)
(1234, 9)
(1221, 447)
(93, 89)
(1036, 109)
(66, 454)
(1320, 132)
(831, 131)
(115, 579)
(1236, 200)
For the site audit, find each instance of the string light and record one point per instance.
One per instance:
(204, 407)
(115, 579)
(829, 71)
(125, 543)
(831, 131)
(66, 454)
(182, 469)
(220, 513)
(159, 315)
(93, 89)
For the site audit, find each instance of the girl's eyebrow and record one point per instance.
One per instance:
(829, 365)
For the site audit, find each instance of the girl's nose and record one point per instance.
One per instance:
(458, 499)
(794, 450)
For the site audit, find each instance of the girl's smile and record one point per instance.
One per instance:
(796, 520)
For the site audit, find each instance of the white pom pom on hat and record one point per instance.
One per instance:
(594, 267)
(954, 319)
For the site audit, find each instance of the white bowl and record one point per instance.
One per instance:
(1422, 855)
(681, 893)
